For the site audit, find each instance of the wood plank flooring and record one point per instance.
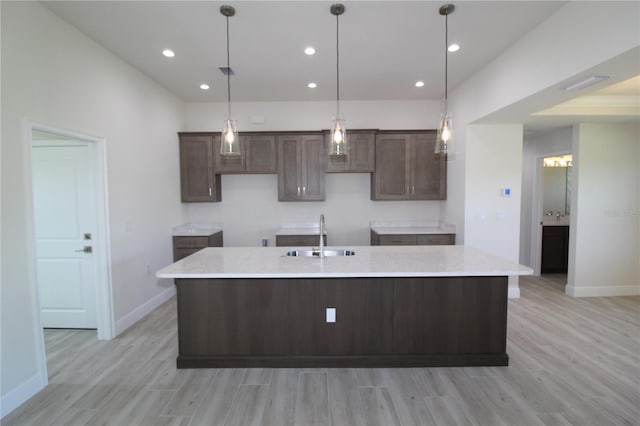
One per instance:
(572, 362)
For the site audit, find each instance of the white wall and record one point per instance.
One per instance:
(347, 208)
(605, 211)
(54, 75)
(522, 80)
(536, 147)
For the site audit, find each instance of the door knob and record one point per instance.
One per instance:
(86, 249)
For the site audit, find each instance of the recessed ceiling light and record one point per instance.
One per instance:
(168, 53)
(453, 47)
(312, 85)
(419, 83)
(309, 50)
(204, 86)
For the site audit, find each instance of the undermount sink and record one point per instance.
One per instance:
(316, 252)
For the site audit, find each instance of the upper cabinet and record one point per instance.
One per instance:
(257, 155)
(198, 182)
(361, 155)
(406, 167)
(301, 167)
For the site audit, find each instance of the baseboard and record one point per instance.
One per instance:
(143, 310)
(513, 293)
(603, 291)
(21, 394)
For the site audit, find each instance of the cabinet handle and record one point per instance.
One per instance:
(209, 191)
(298, 191)
(413, 190)
(304, 190)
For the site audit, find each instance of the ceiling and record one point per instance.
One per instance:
(385, 46)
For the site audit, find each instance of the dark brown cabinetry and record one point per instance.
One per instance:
(361, 155)
(555, 249)
(233, 318)
(407, 169)
(299, 240)
(183, 246)
(301, 167)
(257, 155)
(364, 317)
(412, 239)
(401, 321)
(198, 182)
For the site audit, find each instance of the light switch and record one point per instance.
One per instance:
(331, 314)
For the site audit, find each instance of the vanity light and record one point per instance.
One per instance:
(309, 51)
(444, 140)
(338, 143)
(419, 83)
(230, 143)
(168, 53)
(204, 86)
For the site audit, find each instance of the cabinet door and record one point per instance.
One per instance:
(555, 249)
(428, 171)
(391, 179)
(198, 182)
(397, 240)
(260, 154)
(289, 188)
(436, 239)
(229, 164)
(299, 240)
(359, 159)
(312, 171)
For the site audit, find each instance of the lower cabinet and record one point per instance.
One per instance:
(299, 240)
(184, 246)
(412, 239)
(555, 249)
(396, 321)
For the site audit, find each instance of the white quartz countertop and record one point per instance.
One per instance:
(368, 261)
(196, 229)
(412, 227)
(400, 230)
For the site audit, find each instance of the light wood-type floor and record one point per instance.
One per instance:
(573, 361)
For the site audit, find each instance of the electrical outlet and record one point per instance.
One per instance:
(331, 314)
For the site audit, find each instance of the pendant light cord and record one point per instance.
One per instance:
(228, 74)
(446, 59)
(337, 67)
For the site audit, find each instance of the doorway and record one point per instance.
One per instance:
(554, 217)
(69, 211)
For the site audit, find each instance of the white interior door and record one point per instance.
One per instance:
(65, 225)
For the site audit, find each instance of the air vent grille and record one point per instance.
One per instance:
(226, 70)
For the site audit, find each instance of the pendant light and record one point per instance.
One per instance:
(444, 141)
(229, 144)
(338, 144)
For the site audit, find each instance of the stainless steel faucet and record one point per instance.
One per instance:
(321, 236)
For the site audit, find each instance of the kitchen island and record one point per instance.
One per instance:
(383, 306)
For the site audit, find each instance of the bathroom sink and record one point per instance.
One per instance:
(316, 252)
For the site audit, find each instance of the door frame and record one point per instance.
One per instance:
(103, 282)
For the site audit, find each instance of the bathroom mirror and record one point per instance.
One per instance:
(557, 185)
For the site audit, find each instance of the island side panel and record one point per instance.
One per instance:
(364, 317)
(451, 315)
(228, 317)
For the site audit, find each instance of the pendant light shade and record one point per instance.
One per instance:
(230, 143)
(338, 144)
(444, 141)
